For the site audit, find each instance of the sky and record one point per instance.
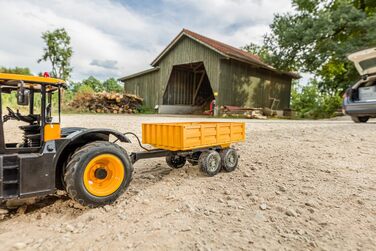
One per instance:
(115, 38)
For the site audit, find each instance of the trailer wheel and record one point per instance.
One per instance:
(210, 162)
(229, 159)
(98, 173)
(193, 160)
(175, 161)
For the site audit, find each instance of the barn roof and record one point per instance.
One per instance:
(225, 50)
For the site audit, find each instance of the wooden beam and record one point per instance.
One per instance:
(198, 66)
(198, 87)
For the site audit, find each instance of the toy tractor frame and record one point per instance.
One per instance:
(93, 170)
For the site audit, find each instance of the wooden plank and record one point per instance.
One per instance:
(198, 87)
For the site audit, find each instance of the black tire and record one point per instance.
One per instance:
(210, 162)
(175, 161)
(74, 174)
(363, 119)
(229, 159)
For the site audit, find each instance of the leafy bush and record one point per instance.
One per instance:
(309, 102)
(146, 110)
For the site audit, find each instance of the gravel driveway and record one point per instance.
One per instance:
(300, 185)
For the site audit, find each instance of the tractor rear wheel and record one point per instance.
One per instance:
(210, 162)
(98, 173)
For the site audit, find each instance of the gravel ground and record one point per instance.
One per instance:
(300, 185)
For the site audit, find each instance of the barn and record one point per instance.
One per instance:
(193, 70)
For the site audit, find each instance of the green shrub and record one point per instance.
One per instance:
(146, 110)
(309, 102)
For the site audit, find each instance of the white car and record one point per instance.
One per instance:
(360, 99)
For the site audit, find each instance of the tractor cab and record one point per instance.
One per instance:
(30, 107)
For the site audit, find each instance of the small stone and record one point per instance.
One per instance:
(107, 208)
(263, 206)
(221, 200)
(146, 202)
(282, 188)
(19, 245)
(122, 216)
(69, 228)
(186, 229)
(247, 175)
(311, 210)
(22, 209)
(41, 216)
(148, 176)
(61, 192)
(291, 212)
(3, 211)
(311, 204)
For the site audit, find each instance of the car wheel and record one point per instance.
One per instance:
(360, 119)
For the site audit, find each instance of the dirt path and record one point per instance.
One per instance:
(300, 185)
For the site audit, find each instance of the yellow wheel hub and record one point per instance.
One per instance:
(103, 175)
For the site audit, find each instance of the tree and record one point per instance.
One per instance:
(93, 83)
(260, 50)
(112, 85)
(318, 36)
(58, 52)
(16, 70)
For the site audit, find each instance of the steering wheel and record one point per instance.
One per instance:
(11, 112)
(12, 115)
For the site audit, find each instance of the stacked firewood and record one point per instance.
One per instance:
(105, 102)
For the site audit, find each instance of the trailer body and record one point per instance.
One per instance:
(192, 135)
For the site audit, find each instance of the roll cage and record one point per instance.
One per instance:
(34, 131)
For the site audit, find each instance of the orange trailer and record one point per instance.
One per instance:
(206, 144)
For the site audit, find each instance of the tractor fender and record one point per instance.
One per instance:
(97, 134)
(76, 137)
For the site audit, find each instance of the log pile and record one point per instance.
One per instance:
(105, 102)
(242, 112)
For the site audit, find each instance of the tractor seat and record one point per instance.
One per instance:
(34, 136)
(30, 127)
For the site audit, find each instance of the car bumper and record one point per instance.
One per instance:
(359, 108)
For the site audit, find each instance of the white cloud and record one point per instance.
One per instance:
(109, 31)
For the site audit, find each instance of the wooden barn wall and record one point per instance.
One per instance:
(252, 87)
(179, 90)
(187, 51)
(145, 86)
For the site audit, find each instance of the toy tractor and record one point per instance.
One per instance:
(50, 157)
(93, 170)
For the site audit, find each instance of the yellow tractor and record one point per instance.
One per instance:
(81, 161)
(93, 170)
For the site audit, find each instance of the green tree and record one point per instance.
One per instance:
(309, 102)
(260, 50)
(318, 36)
(58, 52)
(16, 70)
(112, 85)
(95, 84)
